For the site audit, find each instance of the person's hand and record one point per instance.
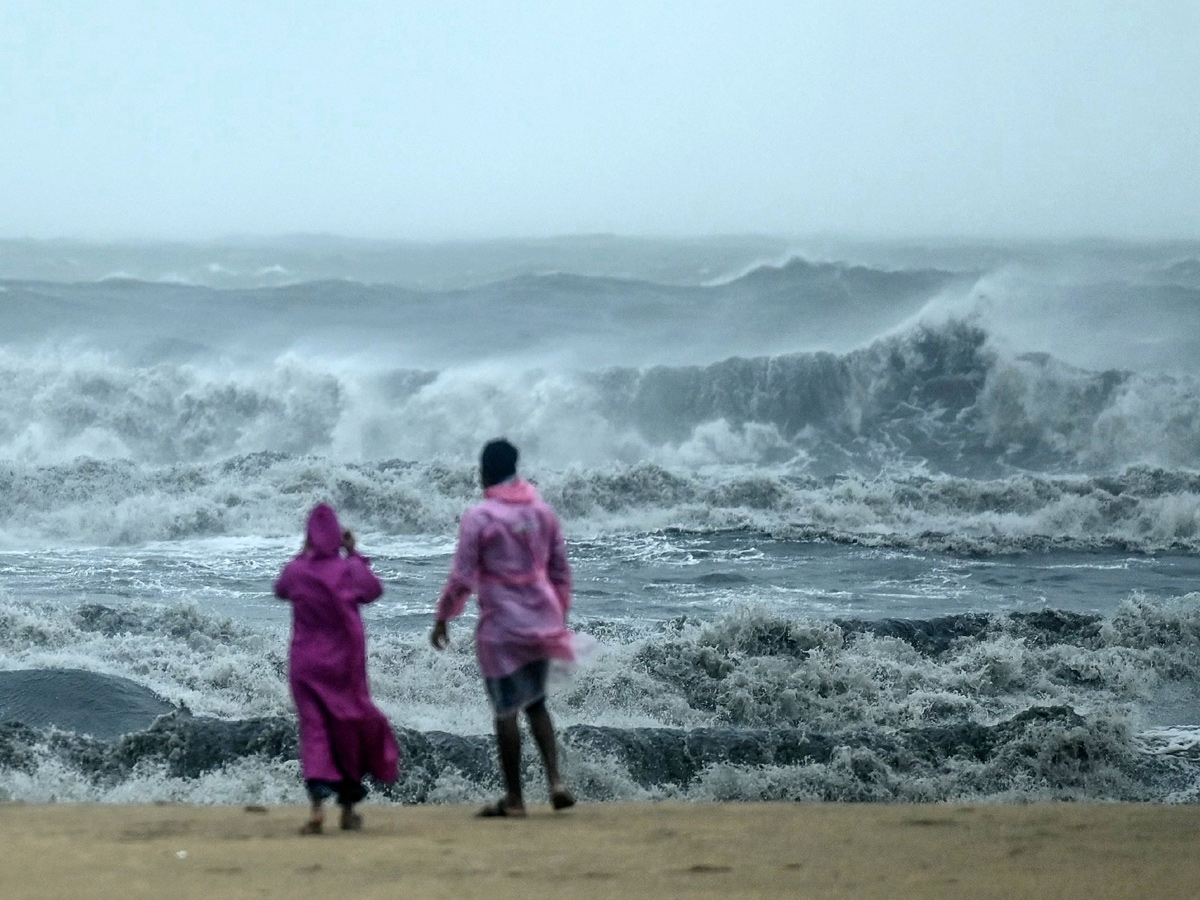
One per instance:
(440, 636)
(348, 540)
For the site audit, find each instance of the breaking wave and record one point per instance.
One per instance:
(750, 706)
(940, 396)
(117, 502)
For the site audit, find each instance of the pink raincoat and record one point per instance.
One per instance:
(512, 555)
(343, 735)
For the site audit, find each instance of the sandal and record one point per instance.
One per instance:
(500, 810)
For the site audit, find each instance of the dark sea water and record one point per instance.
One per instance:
(858, 522)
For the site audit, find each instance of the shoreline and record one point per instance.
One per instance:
(655, 849)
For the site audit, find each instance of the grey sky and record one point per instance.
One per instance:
(473, 119)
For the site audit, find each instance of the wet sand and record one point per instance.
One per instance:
(650, 850)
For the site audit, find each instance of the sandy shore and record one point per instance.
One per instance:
(605, 850)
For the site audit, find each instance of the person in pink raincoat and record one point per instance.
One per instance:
(511, 554)
(343, 735)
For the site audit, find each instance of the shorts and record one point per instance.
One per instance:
(348, 791)
(510, 694)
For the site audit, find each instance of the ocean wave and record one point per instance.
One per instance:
(1043, 753)
(940, 396)
(750, 706)
(750, 668)
(122, 503)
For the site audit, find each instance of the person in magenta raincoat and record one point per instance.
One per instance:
(343, 735)
(511, 554)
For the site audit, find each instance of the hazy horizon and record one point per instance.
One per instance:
(469, 121)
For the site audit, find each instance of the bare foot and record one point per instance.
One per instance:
(561, 798)
(502, 809)
(351, 821)
(314, 825)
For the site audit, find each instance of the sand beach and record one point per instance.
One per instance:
(605, 850)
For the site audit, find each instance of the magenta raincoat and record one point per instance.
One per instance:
(511, 554)
(343, 735)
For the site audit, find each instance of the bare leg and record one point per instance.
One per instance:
(316, 818)
(508, 744)
(349, 793)
(351, 821)
(543, 732)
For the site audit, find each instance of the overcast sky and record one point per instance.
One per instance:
(204, 118)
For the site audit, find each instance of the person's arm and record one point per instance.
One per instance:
(283, 583)
(558, 570)
(367, 586)
(461, 582)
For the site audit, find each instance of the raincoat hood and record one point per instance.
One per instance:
(512, 491)
(324, 531)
